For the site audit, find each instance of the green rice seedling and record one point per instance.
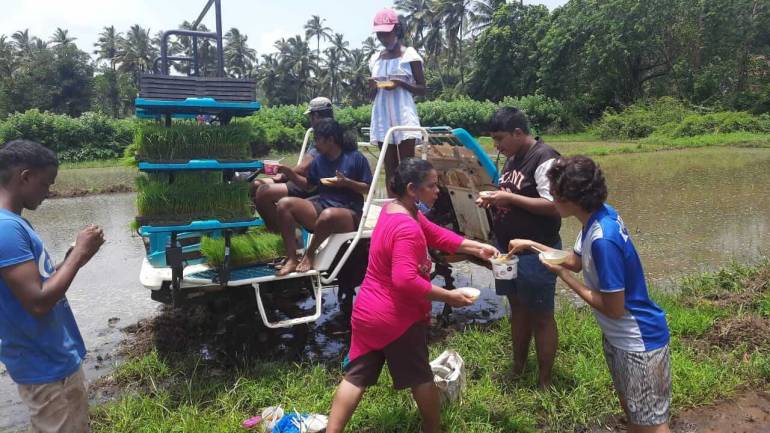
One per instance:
(191, 196)
(258, 245)
(184, 142)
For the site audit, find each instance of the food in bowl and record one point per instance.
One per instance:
(485, 194)
(555, 257)
(386, 84)
(470, 292)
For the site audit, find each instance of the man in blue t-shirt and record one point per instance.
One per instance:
(635, 331)
(40, 343)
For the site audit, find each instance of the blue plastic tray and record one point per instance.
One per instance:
(202, 164)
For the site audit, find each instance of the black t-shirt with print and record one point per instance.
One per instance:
(526, 175)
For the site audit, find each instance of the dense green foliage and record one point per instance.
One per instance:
(191, 196)
(258, 245)
(669, 118)
(588, 54)
(186, 141)
(90, 136)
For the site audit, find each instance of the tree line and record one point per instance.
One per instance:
(588, 54)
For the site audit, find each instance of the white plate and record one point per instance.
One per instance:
(470, 292)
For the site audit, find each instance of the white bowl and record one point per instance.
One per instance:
(470, 292)
(556, 257)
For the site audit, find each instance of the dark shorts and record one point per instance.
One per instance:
(320, 207)
(534, 286)
(407, 359)
(295, 191)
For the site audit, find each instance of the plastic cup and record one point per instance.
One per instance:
(271, 167)
(505, 268)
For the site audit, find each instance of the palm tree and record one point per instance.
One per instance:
(369, 46)
(108, 45)
(334, 66)
(23, 42)
(453, 15)
(314, 28)
(137, 52)
(339, 42)
(61, 37)
(417, 13)
(482, 13)
(239, 58)
(7, 62)
(358, 77)
(298, 61)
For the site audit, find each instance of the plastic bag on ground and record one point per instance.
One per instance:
(449, 375)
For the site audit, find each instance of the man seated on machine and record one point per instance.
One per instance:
(269, 190)
(342, 175)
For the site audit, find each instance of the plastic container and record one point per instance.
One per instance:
(270, 417)
(554, 257)
(470, 292)
(505, 268)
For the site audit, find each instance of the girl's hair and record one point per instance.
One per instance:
(580, 180)
(330, 128)
(412, 170)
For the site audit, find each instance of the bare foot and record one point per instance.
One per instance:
(306, 264)
(287, 268)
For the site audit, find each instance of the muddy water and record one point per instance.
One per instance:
(687, 211)
(105, 295)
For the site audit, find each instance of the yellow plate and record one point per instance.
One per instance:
(328, 181)
(386, 84)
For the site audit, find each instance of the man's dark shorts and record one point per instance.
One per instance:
(535, 285)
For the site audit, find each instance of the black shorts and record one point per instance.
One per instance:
(295, 191)
(407, 359)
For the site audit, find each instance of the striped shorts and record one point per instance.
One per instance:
(643, 380)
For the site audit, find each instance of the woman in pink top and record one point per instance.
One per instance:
(391, 314)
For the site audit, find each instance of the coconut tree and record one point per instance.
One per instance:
(417, 14)
(239, 58)
(23, 42)
(453, 15)
(108, 46)
(482, 12)
(314, 28)
(7, 54)
(61, 38)
(358, 77)
(137, 52)
(369, 46)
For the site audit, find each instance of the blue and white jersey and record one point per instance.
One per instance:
(611, 264)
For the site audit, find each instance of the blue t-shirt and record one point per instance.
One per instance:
(611, 264)
(354, 166)
(34, 350)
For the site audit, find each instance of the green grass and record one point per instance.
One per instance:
(255, 246)
(194, 195)
(184, 142)
(183, 394)
(98, 163)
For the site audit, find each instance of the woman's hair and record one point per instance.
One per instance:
(412, 170)
(580, 180)
(25, 154)
(330, 128)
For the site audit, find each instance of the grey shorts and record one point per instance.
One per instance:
(643, 379)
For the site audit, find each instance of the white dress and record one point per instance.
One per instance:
(394, 107)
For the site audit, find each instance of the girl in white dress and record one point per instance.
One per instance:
(397, 75)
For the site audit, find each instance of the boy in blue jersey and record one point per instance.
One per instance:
(40, 343)
(635, 331)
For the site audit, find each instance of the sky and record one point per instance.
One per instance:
(263, 21)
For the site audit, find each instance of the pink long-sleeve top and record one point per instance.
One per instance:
(393, 295)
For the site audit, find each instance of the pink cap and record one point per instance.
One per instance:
(385, 21)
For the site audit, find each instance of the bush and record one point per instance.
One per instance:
(91, 135)
(641, 119)
(545, 114)
(723, 122)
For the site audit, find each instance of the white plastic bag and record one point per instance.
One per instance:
(449, 375)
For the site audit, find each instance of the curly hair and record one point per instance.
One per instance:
(25, 154)
(580, 180)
